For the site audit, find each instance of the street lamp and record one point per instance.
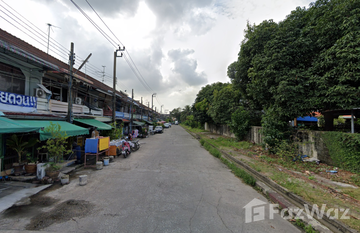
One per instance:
(152, 101)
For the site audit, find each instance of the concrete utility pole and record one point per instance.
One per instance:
(69, 99)
(131, 110)
(141, 108)
(114, 83)
(152, 101)
(148, 111)
(161, 109)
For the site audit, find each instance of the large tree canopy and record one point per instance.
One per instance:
(224, 104)
(203, 101)
(310, 61)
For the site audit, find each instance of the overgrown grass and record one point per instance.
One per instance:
(247, 178)
(306, 228)
(231, 142)
(195, 130)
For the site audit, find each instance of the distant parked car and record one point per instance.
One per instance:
(158, 129)
(166, 125)
(176, 122)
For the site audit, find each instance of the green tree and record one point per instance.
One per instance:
(176, 113)
(224, 104)
(309, 61)
(203, 100)
(240, 122)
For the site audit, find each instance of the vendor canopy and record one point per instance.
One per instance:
(92, 122)
(12, 126)
(138, 123)
(69, 129)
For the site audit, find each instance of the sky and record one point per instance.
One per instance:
(177, 46)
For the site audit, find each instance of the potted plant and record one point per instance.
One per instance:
(30, 166)
(56, 148)
(17, 144)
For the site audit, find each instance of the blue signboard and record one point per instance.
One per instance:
(18, 100)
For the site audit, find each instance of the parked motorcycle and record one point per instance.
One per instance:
(134, 145)
(125, 148)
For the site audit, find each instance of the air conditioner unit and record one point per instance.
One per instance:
(78, 100)
(40, 93)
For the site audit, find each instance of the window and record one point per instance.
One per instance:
(12, 79)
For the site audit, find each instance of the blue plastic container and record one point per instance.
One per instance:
(106, 161)
(91, 145)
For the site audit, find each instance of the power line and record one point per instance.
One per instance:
(132, 63)
(57, 44)
(104, 23)
(111, 41)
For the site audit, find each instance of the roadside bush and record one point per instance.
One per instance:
(202, 141)
(344, 149)
(274, 129)
(240, 122)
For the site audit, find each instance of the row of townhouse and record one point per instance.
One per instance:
(34, 91)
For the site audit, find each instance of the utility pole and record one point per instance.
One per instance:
(69, 99)
(152, 101)
(148, 111)
(161, 109)
(131, 110)
(141, 108)
(114, 83)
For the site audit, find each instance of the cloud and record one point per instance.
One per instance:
(111, 8)
(185, 67)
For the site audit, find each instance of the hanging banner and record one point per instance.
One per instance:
(11, 102)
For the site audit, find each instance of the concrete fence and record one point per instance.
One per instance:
(310, 142)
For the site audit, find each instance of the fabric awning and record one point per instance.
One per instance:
(92, 122)
(138, 123)
(69, 129)
(124, 120)
(149, 122)
(103, 119)
(12, 126)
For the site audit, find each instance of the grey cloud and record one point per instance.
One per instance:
(201, 23)
(173, 11)
(111, 8)
(185, 67)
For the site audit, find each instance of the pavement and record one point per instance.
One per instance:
(17, 193)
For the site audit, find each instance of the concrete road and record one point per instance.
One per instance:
(171, 184)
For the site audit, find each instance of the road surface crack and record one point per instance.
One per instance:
(201, 198)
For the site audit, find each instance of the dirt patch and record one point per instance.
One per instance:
(64, 211)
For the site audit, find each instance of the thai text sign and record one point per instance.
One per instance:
(16, 102)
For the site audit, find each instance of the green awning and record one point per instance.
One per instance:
(92, 122)
(138, 123)
(70, 129)
(12, 126)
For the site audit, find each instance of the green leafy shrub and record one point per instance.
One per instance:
(56, 146)
(202, 141)
(344, 149)
(274, 129)
(115, 132)
(240, 122)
